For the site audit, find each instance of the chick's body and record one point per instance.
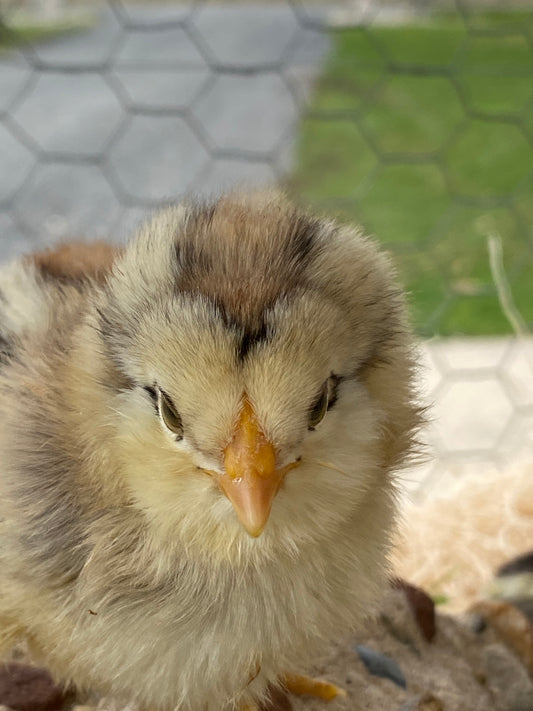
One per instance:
(123, 559)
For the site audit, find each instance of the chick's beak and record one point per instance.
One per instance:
(250, 480)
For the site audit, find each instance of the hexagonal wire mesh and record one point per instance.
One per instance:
(412, 118)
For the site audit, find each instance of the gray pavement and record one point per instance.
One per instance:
(155, 102)
(479, 392)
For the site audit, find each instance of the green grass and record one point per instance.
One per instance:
(424, 135)
(27, 34)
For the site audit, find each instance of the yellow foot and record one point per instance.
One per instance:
(298, 684)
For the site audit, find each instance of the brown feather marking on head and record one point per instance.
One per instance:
(74, 262)
(243, 259)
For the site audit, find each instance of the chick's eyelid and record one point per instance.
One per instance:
(325, 400)
(165, 408)
(151, 390)
(333, 388)
(169, 413)
(319, 408)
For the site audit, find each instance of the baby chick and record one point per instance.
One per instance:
(198, 435)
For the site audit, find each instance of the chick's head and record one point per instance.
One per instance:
(268, 369)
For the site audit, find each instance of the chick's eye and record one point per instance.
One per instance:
(170, 415)
(320, 407)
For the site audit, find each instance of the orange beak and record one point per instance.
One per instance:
(251, 480)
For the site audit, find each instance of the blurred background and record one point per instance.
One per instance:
(411, 118)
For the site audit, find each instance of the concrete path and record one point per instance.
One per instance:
(153, 103)
(479, 392)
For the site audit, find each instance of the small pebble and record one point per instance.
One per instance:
(511, 625)
(380, 665)
(521, 564)
(422, 607)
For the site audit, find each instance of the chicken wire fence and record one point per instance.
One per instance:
(414, 119)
